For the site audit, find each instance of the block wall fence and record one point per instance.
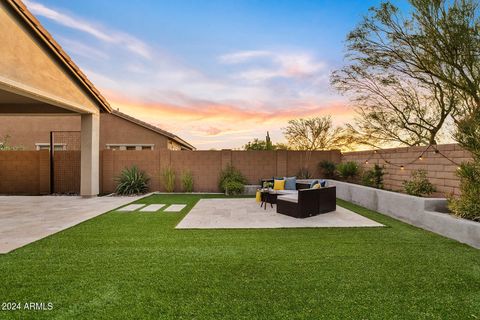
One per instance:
(24, 172)
(207, 165)
(28, 172)
(441, 171)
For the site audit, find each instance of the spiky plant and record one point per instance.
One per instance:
(132, 181)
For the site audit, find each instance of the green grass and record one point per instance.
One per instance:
(121, 265)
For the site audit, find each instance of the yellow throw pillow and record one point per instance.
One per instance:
(279, 185)
(316, 186)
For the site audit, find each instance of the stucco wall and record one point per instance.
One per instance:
(25, 61)
(114, 129)
(441, 171)
(25, 131)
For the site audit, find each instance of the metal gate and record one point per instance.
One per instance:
(65, 162)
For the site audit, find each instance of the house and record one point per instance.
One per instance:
(118, 131)
(37, 77)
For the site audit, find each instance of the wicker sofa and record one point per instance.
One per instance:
(307, 202)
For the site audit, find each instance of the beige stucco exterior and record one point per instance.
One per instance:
(28, 68)
(37, 77)
(27, 131)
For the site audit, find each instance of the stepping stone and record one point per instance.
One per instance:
(175, 208)
(131, 207)
(152, 208)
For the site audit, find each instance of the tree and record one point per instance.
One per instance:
(404, 73)
(258, 144)
(316, 134)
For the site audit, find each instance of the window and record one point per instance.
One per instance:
(124, 146)
(46, 146)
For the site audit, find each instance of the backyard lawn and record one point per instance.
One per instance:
(136, 265)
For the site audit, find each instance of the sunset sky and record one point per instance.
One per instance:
(217, 73)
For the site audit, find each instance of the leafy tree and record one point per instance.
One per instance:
(258, 144)
(316, 134)
(410, 74)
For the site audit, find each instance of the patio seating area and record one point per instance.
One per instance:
(246, 214)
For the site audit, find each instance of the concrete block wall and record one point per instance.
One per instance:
(24, 172)
(207, 165)
(441, 171)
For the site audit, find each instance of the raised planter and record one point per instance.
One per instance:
(426, 213)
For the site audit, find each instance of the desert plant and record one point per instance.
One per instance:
(231, 179)
(328, 169)
(132, 181)
(419, 185)
(348, 170)
(168, 179)
(304, 173)
(187, 181)
(467, 205)
(374, 177)
(233, 187)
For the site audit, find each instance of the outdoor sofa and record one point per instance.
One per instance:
(307, 202)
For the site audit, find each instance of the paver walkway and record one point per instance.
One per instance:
(246, 213)
(25, 219)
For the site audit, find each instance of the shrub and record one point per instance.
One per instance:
(419, 185)
(467, 205)
(233, 187)
(374, 177)
(231, 180)
(168, 179)
(187, 181)
(328, 169)
(348, 170)
(132, 181)
(304, 173)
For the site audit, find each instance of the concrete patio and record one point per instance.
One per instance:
(246, 213)
(25, 219)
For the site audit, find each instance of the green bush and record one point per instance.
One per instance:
(374, 177)
(467, 205)
(231, 180)
(187, 181)
(132, 181)
(304, 173)
(168, 179)
(348, 170)
(419, 185)
(328, 169)
(233, 187)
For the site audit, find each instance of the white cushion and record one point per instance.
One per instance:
(287, 192)
(289, 197)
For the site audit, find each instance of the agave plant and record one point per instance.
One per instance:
(132, 181)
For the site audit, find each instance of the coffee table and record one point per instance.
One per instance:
(268, 196)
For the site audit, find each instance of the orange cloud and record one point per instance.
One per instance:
(212, 111)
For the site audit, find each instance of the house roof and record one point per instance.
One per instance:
(154, 128)
(31, 22)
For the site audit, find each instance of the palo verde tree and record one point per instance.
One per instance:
(411, 74)
(316, 133)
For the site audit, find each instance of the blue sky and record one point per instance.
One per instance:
(217, 73)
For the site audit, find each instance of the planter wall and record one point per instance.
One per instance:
(426, 213)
